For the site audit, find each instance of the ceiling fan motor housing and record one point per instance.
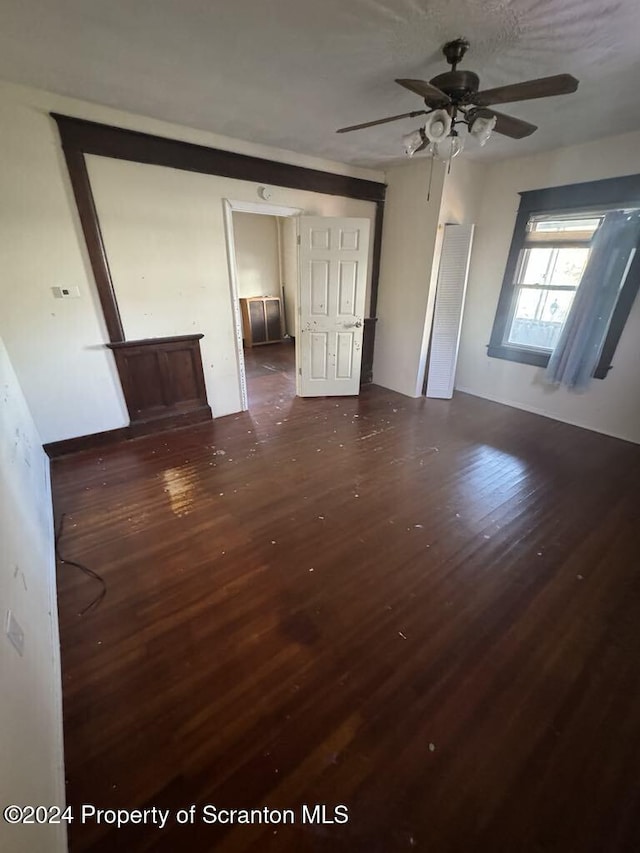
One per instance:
(459, 85)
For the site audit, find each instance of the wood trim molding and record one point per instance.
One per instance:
(81, 443)
(506, 291)
(107, 141)
(93, 238)
(608, 191)
(522, 356)
(368, 340)
(154, 342)
(54, 449)
(375, 262)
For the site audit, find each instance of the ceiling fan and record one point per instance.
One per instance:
(454, 98)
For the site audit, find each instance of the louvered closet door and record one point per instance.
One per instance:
(447, 315)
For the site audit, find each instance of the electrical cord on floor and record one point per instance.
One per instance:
(96, 601)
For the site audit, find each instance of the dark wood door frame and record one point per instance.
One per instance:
(80, 137)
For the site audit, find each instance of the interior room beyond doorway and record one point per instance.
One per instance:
(266, 270)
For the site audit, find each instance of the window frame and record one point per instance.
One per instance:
(571, 198)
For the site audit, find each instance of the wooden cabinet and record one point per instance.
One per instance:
(261, 320)
(162, 381)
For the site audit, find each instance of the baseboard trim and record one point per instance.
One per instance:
(82, 443)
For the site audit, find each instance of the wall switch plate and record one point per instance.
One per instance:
(15, 633)
(66, 292)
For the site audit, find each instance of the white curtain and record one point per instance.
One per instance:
(576, 355)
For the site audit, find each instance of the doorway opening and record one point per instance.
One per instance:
(263, 271)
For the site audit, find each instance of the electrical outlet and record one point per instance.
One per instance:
(15, 633)
(66, 292)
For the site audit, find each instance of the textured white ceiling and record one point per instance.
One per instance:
(289, 72)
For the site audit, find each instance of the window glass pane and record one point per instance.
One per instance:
(562, 267)
(567, 267)
(535, 266)
(563, 225)
(539, 317)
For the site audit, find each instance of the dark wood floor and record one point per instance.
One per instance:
(428, 611)
(270, 372)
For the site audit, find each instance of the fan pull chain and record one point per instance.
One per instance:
(430, 177)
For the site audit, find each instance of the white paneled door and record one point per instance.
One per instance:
(333, 277)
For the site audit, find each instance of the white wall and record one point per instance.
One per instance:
(462, 193)
(405, 296)
(57, 346)
(257, 260)
(611, 405)
(31, 754)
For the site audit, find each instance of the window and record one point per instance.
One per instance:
(551, 264)
(549, 253)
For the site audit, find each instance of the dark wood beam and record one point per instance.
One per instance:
(107, 141)
(375, 261)
(93, 239)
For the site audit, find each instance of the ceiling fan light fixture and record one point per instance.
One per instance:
(481, 127)
(446, 149)
(455, 97)
(413, 142)
(438, 125)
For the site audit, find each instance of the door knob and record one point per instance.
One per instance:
(356, 325)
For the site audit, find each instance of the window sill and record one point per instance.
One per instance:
(523, 356)
(536, 359)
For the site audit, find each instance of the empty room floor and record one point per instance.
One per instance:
(426, 611)
(270, 373)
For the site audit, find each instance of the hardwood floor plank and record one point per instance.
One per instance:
(426, 610)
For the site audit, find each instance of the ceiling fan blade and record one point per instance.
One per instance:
(511, 126)
(544, 87)
(431, 94)
(381, 121)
